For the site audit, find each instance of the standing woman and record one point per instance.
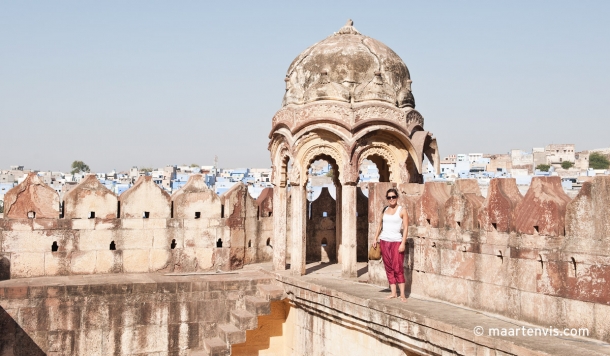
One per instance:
(393, 242)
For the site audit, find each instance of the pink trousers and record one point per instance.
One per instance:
(393, 261)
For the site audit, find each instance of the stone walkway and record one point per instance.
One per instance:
(460, 320)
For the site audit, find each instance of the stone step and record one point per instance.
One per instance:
(258, 306)
(231, 334)
(270, 291)
(243, 319)
(215, 347)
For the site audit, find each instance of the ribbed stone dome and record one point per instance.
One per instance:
(350, 67)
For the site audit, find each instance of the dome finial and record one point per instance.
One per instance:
(348, 29)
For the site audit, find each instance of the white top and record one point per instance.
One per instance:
(390, 229)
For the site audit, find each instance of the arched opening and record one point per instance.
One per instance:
(54, 247)
(374, 168)
(219, 243)
(112, 246)
(173, 244)
(322, 206)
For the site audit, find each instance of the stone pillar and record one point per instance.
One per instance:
(348, 230)
(279, 228)
(299, 219)
(338, 226)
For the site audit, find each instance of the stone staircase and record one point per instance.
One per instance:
(234, 332)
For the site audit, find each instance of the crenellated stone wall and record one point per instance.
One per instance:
(143, 230)
(540, 258)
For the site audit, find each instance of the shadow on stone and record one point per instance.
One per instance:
(408, 267)
(5, 268)
(317, 267)
(14, 340)
(362, 270)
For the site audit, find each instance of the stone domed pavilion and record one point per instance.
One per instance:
(348, 98)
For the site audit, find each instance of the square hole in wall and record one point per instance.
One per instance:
(324, 214)
(92, 215)
(146, 215)
(197, 214)
(31, 214)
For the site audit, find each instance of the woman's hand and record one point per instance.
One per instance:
(401, 249)
(375, 243)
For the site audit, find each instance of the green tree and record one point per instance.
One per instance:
(598, 161)
(194, 165)
(146, 170)
(567, 164)
(330, 173)
(543, 167)
(79, 167)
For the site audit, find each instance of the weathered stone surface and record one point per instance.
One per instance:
(235, 202)
(145, 197)
(430, 207)
(588, 215)
(542, 210)
(121, 315)
(462, 208)
(264, 202)
(90, 196)
(196, 201)
(31, 199)
(322, 71)
(497, 211)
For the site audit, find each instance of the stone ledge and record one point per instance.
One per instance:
(422, 325)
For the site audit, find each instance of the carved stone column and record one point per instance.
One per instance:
(279, 227)
(348, 230)
(338, 224)
(297, 258)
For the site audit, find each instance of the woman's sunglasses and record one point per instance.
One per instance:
(390, 197)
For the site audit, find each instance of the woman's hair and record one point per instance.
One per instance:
(393, 190)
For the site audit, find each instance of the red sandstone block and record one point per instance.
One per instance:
(461, 209)
(16, 292)
(542, 210)
(502, 198)
(430, 207)
(31, 195)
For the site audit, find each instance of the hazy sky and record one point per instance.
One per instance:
(151, 83)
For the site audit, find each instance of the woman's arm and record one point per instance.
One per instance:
(379, 226)
(405, 229)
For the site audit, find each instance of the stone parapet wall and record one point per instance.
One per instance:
(540, 258)
(143, 230)
(122, 314)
